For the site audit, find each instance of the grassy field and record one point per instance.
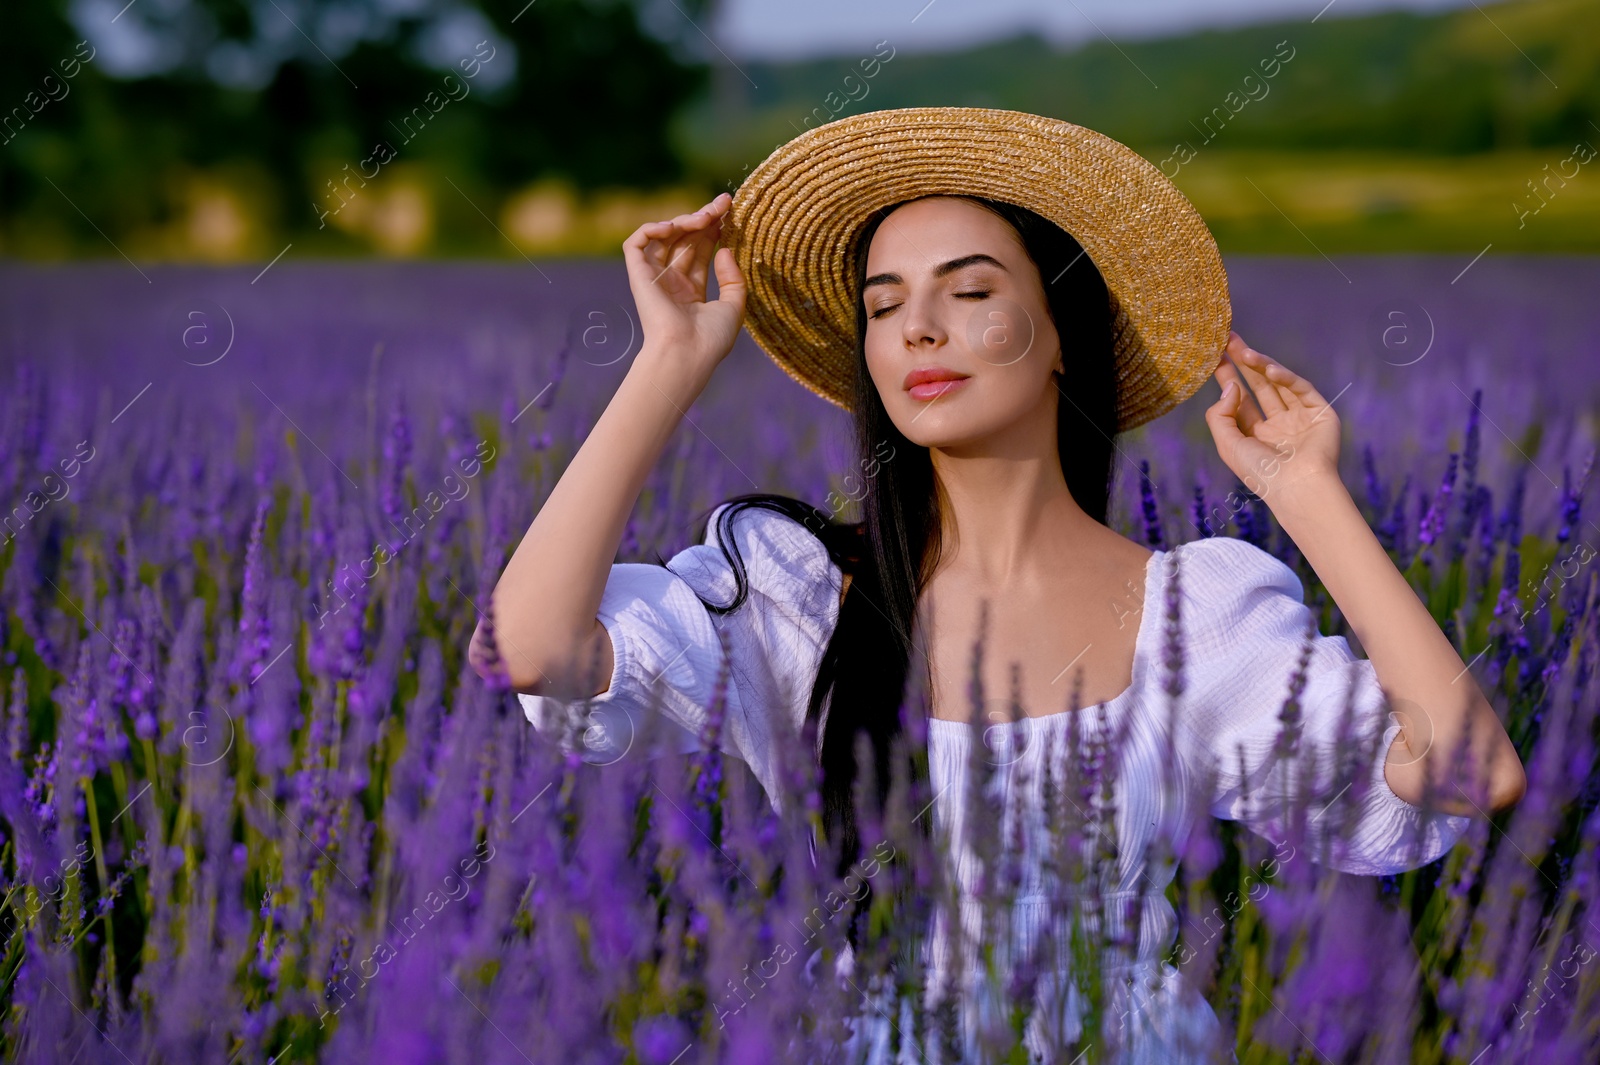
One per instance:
(1352, 201)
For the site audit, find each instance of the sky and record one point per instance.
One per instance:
(153, 37)
(789, 29)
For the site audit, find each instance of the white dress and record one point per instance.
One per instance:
(1243, 622)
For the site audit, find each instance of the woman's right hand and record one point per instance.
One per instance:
(667, 271)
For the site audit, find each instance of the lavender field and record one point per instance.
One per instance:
(255, 806)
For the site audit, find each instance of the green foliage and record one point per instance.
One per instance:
(590, 101)
(1445, 83)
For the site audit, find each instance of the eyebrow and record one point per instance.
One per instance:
(939, 271)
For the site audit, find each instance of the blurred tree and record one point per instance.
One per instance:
(277, 99)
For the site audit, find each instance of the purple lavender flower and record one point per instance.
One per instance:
(255, 633)
(1149, 508)
(397, 447)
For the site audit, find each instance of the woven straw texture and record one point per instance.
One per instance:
(794, 219)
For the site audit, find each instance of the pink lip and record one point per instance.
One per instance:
(930, 382)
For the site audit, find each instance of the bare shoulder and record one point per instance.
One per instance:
(1120, 557)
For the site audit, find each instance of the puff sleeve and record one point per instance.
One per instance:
(1245, 623)
(668, 647)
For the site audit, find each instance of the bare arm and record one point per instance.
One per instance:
(547, 634)
(1436, 698)
(1290, 458)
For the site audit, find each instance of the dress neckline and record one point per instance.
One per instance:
(1140, 638)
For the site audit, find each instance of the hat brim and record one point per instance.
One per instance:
(794, 220)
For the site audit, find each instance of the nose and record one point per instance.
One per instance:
(921, 325)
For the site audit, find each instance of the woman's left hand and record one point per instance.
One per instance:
(1293, 440)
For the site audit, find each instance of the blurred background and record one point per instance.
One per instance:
(231, 131)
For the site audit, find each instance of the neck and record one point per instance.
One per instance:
(1006, 509)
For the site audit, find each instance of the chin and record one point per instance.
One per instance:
(945, 426)
(959, 421)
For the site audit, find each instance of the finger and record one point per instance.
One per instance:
(730, 279)
(650, 247)
(705, 246)
(693, 239)
(678, 249)
(1247, 360)
(695, 220)
(657, 239)
(1277, 377)
(683, 243)
(1296, 391)
(1253, 365)
(1222, 417)
(640, 238)
(1248, 410)
(675, 263)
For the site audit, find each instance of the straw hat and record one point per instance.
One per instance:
(794, 220)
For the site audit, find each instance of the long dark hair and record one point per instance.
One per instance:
(893, 551)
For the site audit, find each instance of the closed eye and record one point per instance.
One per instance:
(975, 294)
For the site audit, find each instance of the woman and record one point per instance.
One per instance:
(1019, 290)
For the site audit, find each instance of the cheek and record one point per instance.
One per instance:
(880, 363)
(1004, 333)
